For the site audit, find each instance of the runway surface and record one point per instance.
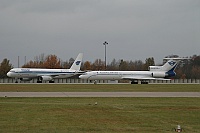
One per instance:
(99, 94)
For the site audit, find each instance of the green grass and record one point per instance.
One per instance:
(99, 88)
(110, 115)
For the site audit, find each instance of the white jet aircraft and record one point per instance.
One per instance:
(155, 73)
(27, 74)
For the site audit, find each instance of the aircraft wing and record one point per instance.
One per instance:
(53, 75)
(142, 78)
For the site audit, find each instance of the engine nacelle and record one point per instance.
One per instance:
(155, 68)
(46, 78)
(159, 74)
(25, 79)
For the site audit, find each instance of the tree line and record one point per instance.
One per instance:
(187, 69)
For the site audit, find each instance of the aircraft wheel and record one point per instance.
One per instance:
(51, 81)
(39, 81)
(144, 82)
(133, 82)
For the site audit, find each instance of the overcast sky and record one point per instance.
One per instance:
(134, 29)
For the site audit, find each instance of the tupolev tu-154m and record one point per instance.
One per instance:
(164, 72)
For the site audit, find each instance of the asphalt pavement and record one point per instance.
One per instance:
(99, 94)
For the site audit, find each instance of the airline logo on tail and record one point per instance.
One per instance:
(78, 62)
(171, 63)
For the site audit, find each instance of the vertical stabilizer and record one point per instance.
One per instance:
(77, 63)
(170, 65)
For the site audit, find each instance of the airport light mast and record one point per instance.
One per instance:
(105, 43)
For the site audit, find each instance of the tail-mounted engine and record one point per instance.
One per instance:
(159, 74)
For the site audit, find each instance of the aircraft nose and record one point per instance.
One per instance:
(9, 74)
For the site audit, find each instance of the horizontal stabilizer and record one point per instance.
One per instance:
(176, 58)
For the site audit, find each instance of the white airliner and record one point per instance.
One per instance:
(155, 73)
(27, 74)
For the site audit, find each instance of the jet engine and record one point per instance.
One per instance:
(46, 78)
(25, 79)
(159, 74)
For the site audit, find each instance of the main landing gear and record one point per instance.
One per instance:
(39, 80)
(134, 82)
(51, 81)
(144, 82)
(139, 82)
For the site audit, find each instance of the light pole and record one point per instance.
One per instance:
(105, 43)
(18, 61)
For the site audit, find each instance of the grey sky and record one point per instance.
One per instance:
(134, 29)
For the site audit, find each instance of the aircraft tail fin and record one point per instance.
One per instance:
(77, 63)
(170, 65)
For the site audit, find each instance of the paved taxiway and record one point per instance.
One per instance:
(99, 94)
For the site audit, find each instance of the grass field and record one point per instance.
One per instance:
(99, 88)
(110, 115)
